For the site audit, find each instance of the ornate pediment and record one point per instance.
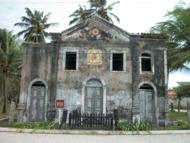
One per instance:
(95, 28)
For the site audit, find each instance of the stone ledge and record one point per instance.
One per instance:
(94, 132)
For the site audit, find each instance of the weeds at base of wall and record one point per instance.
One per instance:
(35, 125)
(180, 125)
(126, 126)
(123, 125)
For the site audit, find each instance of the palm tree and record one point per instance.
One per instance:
(10, 61)
(177, 31)
(96, 6)
(34, 25)
(80, 14)
(100, 7)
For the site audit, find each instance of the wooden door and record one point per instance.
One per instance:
(37, 105)
(146, 104)
(94, 98)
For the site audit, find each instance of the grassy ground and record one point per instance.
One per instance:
(178, 116)
(180, 121)
(2, 115)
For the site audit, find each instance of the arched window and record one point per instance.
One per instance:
(94, 96)
(146, 62)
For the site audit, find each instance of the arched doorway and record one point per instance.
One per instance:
(146, 100)
(93, 96)
(37, 102)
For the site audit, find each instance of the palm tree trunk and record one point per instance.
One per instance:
(178, 105)
(188, 109)
(4, 92)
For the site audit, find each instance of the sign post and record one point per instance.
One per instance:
(59, 104)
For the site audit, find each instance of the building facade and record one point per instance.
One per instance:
(95, 67)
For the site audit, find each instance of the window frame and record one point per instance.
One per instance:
(151, 62)
(64, 59)
(124, 61)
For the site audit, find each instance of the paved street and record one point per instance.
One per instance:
(11, 137)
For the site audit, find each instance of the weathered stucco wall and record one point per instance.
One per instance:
(157, 78)
(39, 64)
(46, 63)
(117, 83)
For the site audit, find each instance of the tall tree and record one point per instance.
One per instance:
(10, 64)
(177, 30)
(183, 90)
(100, 7)
(34, 25)
(80, 14)
(96, 6)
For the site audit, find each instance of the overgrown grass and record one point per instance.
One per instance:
(178, 116)
(2, 115)
(135, 127)
(35, 125)
(180, 121)
(180, 125)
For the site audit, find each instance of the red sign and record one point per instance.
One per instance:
(59, 103)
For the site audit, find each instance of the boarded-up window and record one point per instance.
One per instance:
(70, 61)
(146, 62)
(117, 62)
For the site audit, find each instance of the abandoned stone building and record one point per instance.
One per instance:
(95, 67)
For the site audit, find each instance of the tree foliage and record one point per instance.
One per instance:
(98, 7)
(34, 25)
(183, 90)
(10, 64)
(177, 30)
(80, 14)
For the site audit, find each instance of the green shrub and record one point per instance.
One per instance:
(36, 125)
(130, 126)
(181, 125)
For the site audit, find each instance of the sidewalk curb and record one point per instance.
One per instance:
(94, 132)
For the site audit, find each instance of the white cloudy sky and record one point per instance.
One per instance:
(136, 16)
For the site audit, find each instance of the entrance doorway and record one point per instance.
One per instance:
(146, 99)
(37, 102)
(93, 96)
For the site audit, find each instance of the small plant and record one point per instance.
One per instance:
(130, 126)
(36, 125)
(181, 125)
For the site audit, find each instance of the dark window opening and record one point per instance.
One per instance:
(146, 62)
(117, 62)
(38, 83)
(71, 58)
(146, 55)
(146, 86)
